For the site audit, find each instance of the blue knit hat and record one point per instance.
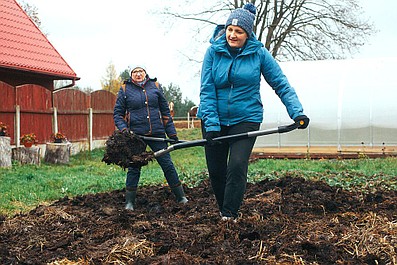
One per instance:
(243, 17)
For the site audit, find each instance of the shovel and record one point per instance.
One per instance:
(138, 157)
(158, 139)
(202, 142)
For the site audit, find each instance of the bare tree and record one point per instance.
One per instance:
(31, 11)
(87, 89)
(294, 29)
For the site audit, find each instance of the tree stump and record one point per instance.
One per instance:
(57, 153)
(27, 155)
(5, 151)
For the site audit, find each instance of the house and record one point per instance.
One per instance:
(26, 55)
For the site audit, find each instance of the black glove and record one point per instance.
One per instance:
(174, 138)
(209, 136)
(303, 121)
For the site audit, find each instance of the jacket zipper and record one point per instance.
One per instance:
(230, 92)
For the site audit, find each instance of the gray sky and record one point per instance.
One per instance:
(91, 34)
(383, 14)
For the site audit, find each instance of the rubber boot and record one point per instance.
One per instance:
(179, 194)
(130, 196)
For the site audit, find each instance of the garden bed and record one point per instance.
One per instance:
(284, 221)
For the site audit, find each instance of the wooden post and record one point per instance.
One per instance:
(90, 128)
(55, 124)
(17, 125)
(57, 153)
(27, 155)
(5, 151)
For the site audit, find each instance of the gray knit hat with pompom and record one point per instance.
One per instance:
(243, 17)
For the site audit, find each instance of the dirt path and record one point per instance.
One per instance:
(285, 221)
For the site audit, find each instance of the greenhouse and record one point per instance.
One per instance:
(350, 103)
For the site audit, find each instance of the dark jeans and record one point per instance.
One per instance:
(165, 162)
(228, 167)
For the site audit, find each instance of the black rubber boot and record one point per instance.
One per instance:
(130, 196)
(179, 194)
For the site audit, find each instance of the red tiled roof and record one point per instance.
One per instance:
(24, 47)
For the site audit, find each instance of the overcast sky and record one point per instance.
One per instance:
(91, 34)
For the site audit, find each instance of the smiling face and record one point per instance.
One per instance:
(138, 74)
(236, 36)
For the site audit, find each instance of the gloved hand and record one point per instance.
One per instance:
(209, 136)
(174, 138)
(303, 121)
(126, 131)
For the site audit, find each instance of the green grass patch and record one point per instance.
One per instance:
(353, 174)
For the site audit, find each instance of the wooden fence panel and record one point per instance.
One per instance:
(7, 108)
(36, 110)
(37, 103)
(102, 104)
(73, 110)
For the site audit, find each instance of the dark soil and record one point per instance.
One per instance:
(285, 221)
(126, 149)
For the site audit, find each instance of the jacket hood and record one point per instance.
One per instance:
(218, 32)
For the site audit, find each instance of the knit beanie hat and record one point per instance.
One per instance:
(135, 66)
(243, 17)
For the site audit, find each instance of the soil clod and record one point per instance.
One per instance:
(126, 149)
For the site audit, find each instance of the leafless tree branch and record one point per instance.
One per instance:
(295, 29)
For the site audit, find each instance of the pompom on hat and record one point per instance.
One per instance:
(243, 17)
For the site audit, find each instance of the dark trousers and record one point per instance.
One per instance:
(228, 167)
(165, 162)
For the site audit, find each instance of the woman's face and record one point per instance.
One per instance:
(236, 36)
(138, 75)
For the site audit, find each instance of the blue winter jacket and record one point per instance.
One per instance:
(230, 85)
(148, 109)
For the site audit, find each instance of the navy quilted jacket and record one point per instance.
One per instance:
(148, 108)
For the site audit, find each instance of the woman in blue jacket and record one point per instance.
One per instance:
(143, 99)
(230, 103)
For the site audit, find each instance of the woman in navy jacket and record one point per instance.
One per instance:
(143, 99)
(230, 103)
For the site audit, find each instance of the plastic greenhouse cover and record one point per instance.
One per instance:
(349, 102)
